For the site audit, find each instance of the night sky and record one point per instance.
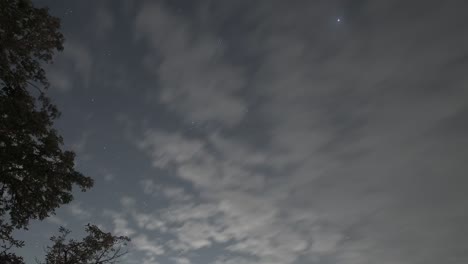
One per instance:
(271, 132)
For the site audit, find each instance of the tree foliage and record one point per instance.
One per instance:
(97, 247)
(29, 36)
(36, 174)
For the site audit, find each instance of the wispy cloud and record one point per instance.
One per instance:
(194, 79)
(352, 152)
(142, 243)
(56, 220)
(182, 260)
(75, 60)
(77, 210)
(270, 132)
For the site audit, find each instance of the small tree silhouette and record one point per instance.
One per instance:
(97, 247)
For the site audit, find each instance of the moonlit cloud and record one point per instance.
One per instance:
(283, 132)
(77, 210)
(194, 78)
(56, 220)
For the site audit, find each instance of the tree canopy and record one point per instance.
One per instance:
(97, 247)
(36, 174)
(29, 37)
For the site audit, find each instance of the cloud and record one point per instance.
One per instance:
(56, 220)
(166, 148)
(232, 212)
(137, 226)
(108, 177)
(357, 166)
(59, 80)
(128, 202)
(105, 22)
(79, 146)
(150, 260)
(174, 194)
(359, 129)
(325, 242)
(78, 211)
(81, 58)
(181, 260)
(120, 222)
(194, 79)
(142, 243)
(75, 60)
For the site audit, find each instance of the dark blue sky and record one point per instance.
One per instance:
(279, 132)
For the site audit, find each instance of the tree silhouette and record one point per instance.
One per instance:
(97, 247)
(36, 174)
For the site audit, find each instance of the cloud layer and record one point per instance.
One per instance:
(359, 164)
(276, 131)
